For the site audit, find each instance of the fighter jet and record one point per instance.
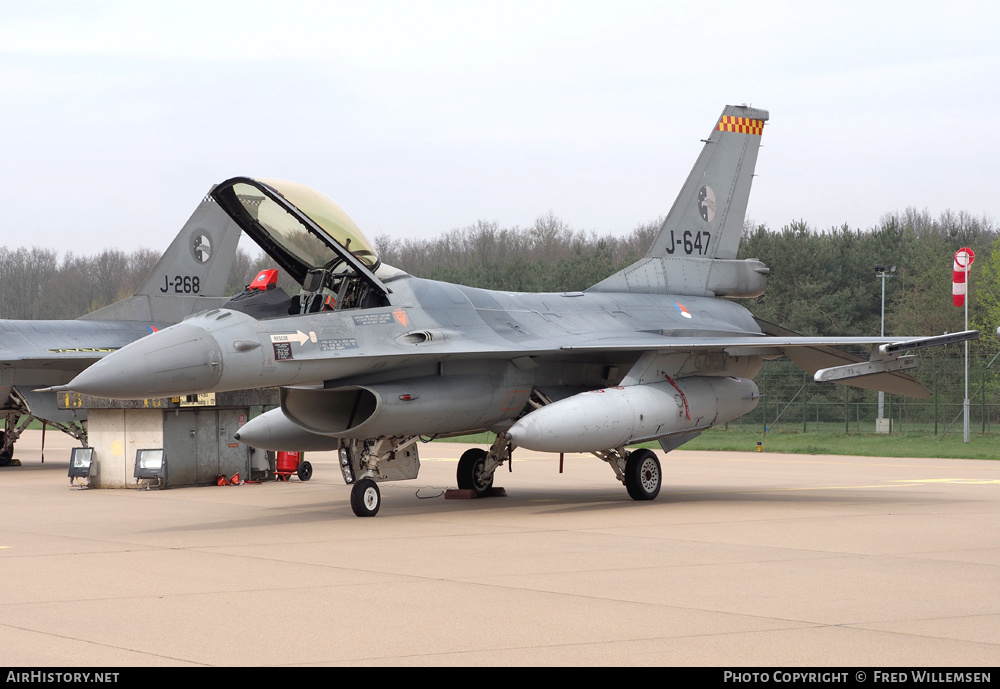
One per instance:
(191, 276)
(371, 359)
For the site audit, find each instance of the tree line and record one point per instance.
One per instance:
(36, 284)
(822, 282)
(826, 282)
(549, 256)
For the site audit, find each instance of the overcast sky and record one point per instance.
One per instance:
(420, 117)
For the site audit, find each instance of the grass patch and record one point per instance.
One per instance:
(906, 444)
(863, 444)
(484, 438)
(827, 443)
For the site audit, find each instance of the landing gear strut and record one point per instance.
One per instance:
(14, 425)
(364, 462)
(17, 419)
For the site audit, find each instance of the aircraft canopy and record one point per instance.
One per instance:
(296, 225)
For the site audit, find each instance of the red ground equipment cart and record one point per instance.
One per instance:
(289, 463)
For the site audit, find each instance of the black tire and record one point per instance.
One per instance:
(5, 455)
(305, 471)
(643, 475)
(365, 498)
(470, 472)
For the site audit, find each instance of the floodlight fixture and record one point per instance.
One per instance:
(151, 464)
(81, 459)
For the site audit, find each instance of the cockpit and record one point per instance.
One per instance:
(312, 239)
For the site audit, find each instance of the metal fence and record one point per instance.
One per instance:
(792, 401)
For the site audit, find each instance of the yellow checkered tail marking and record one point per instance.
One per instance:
(742, 125)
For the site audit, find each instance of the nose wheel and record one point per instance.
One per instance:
(365, 498)
(643, 476)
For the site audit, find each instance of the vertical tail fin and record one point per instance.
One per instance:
(191, 275)
(694, 250)
(706, 220)
(203, 251)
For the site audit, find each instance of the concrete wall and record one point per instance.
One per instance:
(115, 435)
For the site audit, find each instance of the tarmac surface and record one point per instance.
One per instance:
(745, 559)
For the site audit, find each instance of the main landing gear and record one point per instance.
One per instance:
(6, 453)
(13, 426)
(642, 475)
(472, 472)
(476, 467)
(639, 470)
(396, 458)
(17, 419)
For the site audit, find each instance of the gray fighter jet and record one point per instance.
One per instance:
(371, 359)
(191, 276)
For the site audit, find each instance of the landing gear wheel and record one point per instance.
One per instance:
(365, 498)
(471, 472)
(5, 455)
(305, 471)
(643, 476)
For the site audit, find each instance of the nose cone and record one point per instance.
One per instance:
(183, 359)
(527, 432)
(273, 431)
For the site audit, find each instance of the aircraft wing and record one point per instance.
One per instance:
(819, 356)
(64, 345)
(70, 361)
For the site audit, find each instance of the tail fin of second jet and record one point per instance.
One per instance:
(695, 250)
(191, 275)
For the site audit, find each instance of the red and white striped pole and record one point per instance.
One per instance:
(959, 274)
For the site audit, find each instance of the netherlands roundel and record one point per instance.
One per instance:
(706, 203)
(202, 248)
